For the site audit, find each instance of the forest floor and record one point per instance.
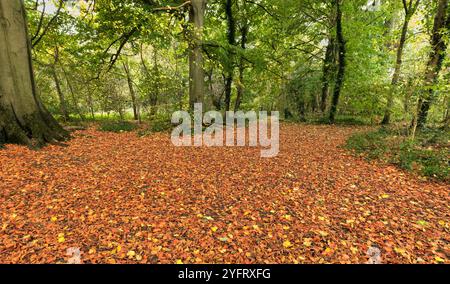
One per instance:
(121, 198)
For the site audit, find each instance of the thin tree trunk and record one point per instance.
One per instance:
(91, 103)
(72, 93)
(240, 86)
(132, 92)
(61, 96)
(155, 94)
(23, 118)
(327, 72)
(341, 62)
(62, 99)
(232, 42)
(196, 73)
(409, 9)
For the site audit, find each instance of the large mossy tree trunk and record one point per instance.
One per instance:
(434, 65)
(23, 118)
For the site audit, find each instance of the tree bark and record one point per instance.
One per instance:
(130, 87)
(232, 42)
(23, 118)
(72, 93)
(240, 86)
(409, 9)
(61, 96)
(155, 94)
(437, 55)
(341, 62)
(327, 73)
(196, 72)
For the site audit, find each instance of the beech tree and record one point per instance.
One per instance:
(196, 72)
(23, 118)
(409, 9)
(341, 62)
(441, 26)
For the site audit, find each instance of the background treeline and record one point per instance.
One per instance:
(330, 61)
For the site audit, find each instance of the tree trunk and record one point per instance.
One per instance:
(155, 94)
(132, 93)
(62, 98)
(231, 42)
(23, 118)
(437, 55)
(327, 72)
(72, 94)
(196, 73)
(240, 86)
(410, 9)
(341, 62)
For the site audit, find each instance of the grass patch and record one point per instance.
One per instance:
(428, 154)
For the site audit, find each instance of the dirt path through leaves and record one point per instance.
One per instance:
(125, 199)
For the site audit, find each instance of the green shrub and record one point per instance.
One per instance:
(371, 143)
(160, 125)
(117, 126)
(398, 149)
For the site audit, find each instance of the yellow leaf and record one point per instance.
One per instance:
(214, 229)
(138, 257)
(287, 217)
(438, 259)
(287, 244)
(119, 248)
(179, 261)
(385, 196)
(354, 250)
(131, 253)
(54, 219)
(61, 238)
(400, 251)
(307, 242)
(323, 233)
